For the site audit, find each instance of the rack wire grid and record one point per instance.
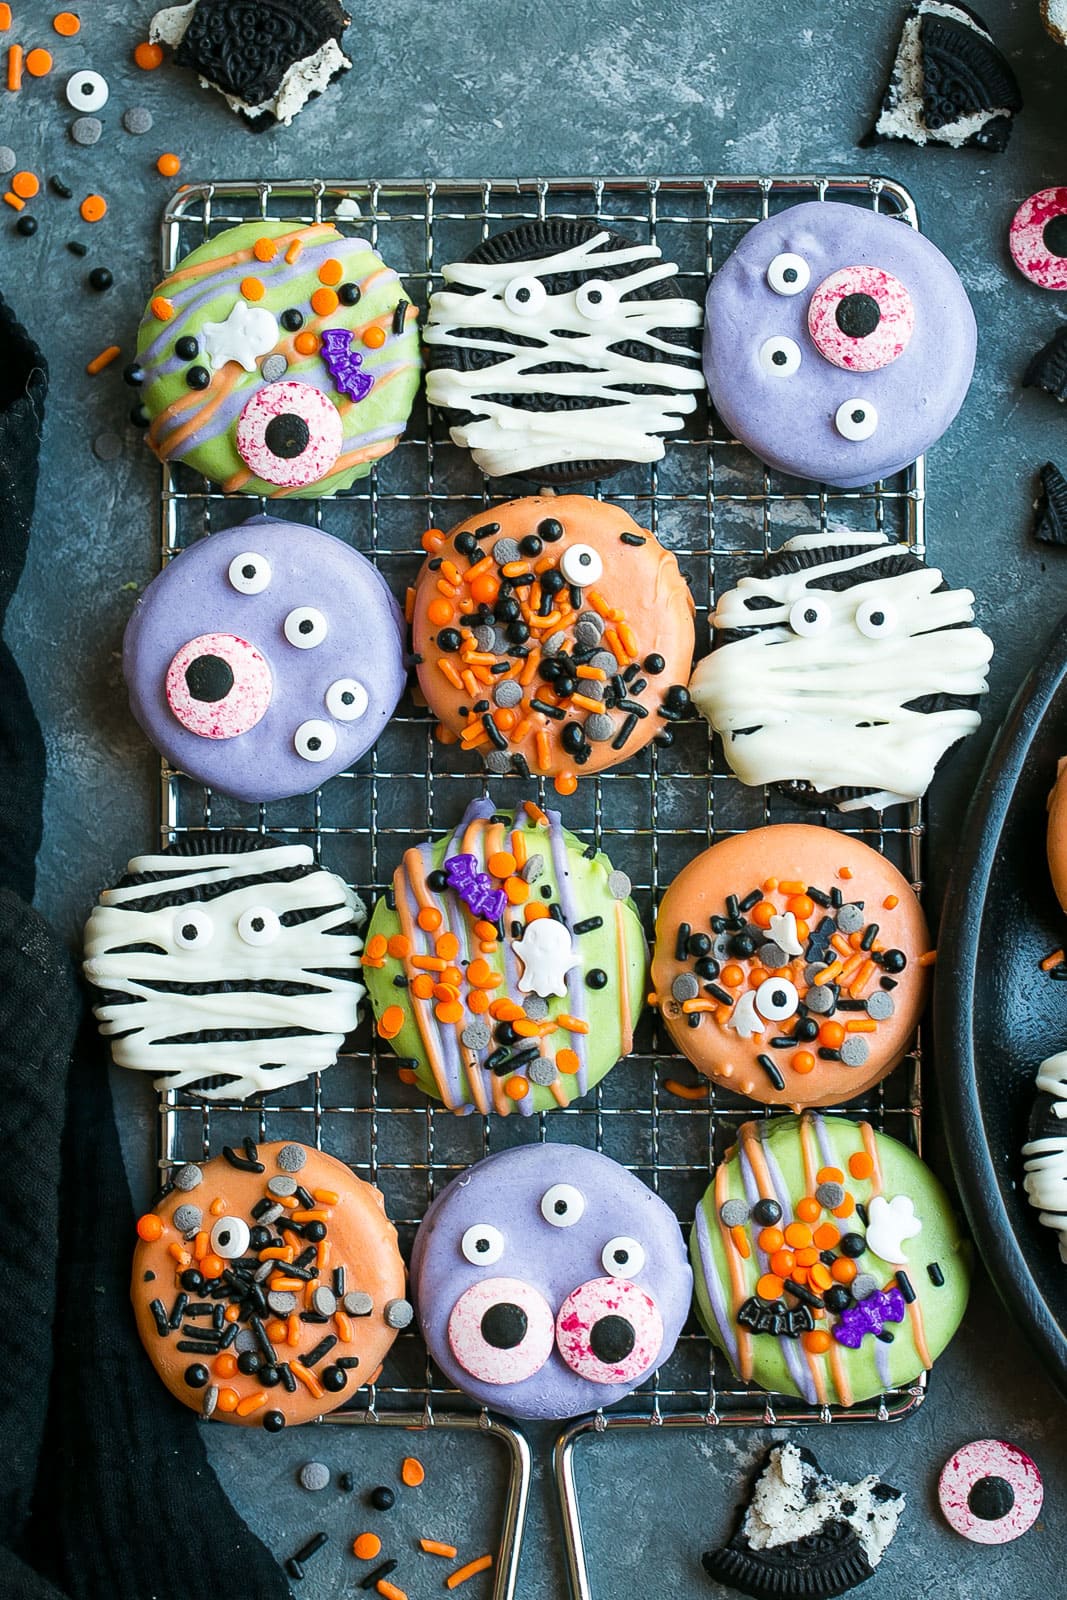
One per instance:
(721, 512)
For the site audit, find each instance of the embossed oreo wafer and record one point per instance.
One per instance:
(228, 964)
(1048, 368)
(1050, 512)
(843, 671)
(949, 83)
(562, 351)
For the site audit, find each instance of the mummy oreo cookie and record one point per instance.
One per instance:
(228, 965)
(843, 671)
(1045, 1151)
(827, 1261)
(509, 966)
(263, 660)
(278, 359)
(839, 343)
(268, 1285)
(562, 351)
(553, 635)
(791, 965)
(549, 1281)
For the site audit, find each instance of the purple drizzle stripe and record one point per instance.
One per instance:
(449, 1044)
(713, 1284)
(798, 1370)
(575, 989)
(484, 809)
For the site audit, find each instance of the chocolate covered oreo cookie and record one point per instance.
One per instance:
(563, 352)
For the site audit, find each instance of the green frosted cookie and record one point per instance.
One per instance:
(508, 966)
(890, 1274)
(279, 359)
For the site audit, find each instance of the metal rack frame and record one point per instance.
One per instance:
(721, 512)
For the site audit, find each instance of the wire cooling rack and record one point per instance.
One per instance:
(721, 512)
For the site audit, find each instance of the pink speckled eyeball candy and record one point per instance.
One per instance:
(990, 1491)
(1038, 238)
(633, 1323)
(218, 686)
(289, 434)
(861, 318)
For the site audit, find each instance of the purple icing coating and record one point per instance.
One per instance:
(853, 1325)
(789, 421)
(343, 363)
(193, 596)
(505, 1191)
(475, 888)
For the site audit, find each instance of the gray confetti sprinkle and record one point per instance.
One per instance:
(263, 1271)
(497, 762)
(554, 643)
(281, 1301)
(187, 1219)
(86, 130)
(245, 1340)
(606, 662)
(812, 970)
(830, 1195)
(599, 727)
(850, 919)
(541, 1072)
(357, 1303)
(291, 1157)
(107, 447)
(506, 550)
(8, 158)
(863, 1285)
(619, 885)
(274, 368)
(137, 119)
(398, 1313)
(685, 987)
(324, 1301)
(188, 1177)
(533, 869)
(476, 1035)
(508, 693)
(880, 1005)
(854, 1051)
(593, 688)
(734, 1213)
(772, 955)
(585, 637)
(270, 1215)
(209, 1400)
(314, 1475)
(535, 1008)
(281, 1186)
(485, 638)
(821, 1001)
(593, 621)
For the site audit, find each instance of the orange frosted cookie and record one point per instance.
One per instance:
(1057, 833)
(555, 636)
(791, 965)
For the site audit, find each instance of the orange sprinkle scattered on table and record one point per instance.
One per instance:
(412, 1472)
(434, 1547)
(168, 164)
(14, 67)
(366, 1546)
(67, 24)
(389, 1591)
(92, 209)
(5, 17)
(684, 1091)
(39, 63)
(148, 56)
(461, 1574)
(1053, 959)
(104, 359)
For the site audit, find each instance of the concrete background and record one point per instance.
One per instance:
(498, 87)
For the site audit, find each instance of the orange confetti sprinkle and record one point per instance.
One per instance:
(66, 23)
(567, 1062)
(501, 864)
(25, 185)
(770, 1286)
(429, 920)
(412, 1472)
(373, 337)
(324, 302)
(366, 1546)
(93, 208)
(331, 272)
(798, 1234)
(148, 56)
(306, 343)
(390, 1022)
(265, 249)
(149, 1227)
(516, 1087)
(860, 1165)
(565, 783)
(808, 1209)
(39, 63)
(253, 288)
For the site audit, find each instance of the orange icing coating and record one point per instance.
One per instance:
(1057, 833)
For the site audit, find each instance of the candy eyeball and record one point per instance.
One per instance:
(218, 686)
(289, 434)
(861, 318)
(788, 274)
(192, 928)
(482, 1244)
(596, 299)
(346, 700)
(876, 619)
(258, 925)
(87, 91)
(305, 627)
(609, 1331)
(810, 616)
(856, 420)
(230, 1238)
(249, 573)
(581, 565)
(501, 1330)
(562, 1205)
(777, 999)
(779, 357)
(622, 1257)
(315, 740)
(525, 296)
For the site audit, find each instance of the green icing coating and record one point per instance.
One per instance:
(939, 1241)
(587, 890)
(372, 425)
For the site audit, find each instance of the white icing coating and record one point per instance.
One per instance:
(505, 439)
(890, 1222)
(139, 1018)
(1046, 1159)
(744, 1018)
(547, 953)
(247, 333)
(830, 708)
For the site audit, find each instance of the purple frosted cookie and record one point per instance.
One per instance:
(549, 1281)
(838, 343)
(266, 659)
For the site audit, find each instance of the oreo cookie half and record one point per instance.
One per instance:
(561, 352)
(1045, 1150)
(1050, 512)
(804, 1536)
(1048, 368)
(949, 83)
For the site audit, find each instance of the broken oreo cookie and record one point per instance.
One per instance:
(1050, 511)
(949, 83)
(267, 58)
(1048, 368)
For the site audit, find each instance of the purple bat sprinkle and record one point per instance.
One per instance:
(887, 1305)
(475, 888)
(343, 363)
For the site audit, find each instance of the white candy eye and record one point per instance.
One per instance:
(810, 616)
(249, 573)
(87, 91)
(596, 299)
(876, 619)
(346, 700)
(856, 420)
(229, 1238)
(482, 1244)
(562, 1205)
(315, 740)
(305, 627)
(776, 999)
(258, 925)
(525, 296)
(779, 357)
(581, 565)
(788, 274)
(622, 1257)
(193, 928)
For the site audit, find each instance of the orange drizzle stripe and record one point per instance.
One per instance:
(915, 1315)
(835, 1354)
(626, 1017)
(737, 1276)
(754, 1151)
(314, 231)
(175, 440)
(409, 929)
